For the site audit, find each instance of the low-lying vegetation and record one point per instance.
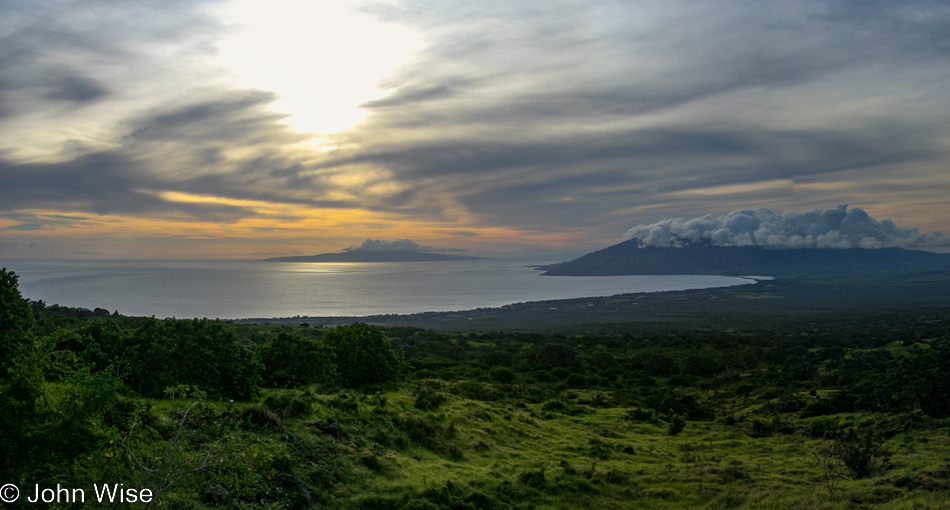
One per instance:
(850, 413)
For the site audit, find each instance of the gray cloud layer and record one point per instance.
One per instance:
(818, 228)
(558, 116)
(567, 115)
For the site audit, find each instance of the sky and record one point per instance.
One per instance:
(251, 129)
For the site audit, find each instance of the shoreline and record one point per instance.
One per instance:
(529, 315)
(780, 298)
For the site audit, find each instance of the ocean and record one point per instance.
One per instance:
(235, 289)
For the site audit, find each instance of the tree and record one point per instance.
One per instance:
(16, 320)
(197, 352)
(363, 355)
(556, 355)
(292, 360)
(503, 375)
(924, 375)
(41, 425)
(655, 363)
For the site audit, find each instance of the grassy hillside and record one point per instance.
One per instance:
(808, 412)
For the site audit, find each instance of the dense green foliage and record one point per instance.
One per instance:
(16, 320)
(196, 352)
(42, 425)
(363, 355)
(291, 361)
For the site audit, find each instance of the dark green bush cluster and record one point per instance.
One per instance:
(41, 425)
(209, 356)
(291, 361)
(363, 355)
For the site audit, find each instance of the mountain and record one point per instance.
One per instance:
(374, 256)
(627, 258)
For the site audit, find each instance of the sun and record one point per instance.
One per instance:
(323, 59)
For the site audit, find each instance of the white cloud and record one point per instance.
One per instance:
(839, 227)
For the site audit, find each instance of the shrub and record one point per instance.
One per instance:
(196, 352)
(638, 378)
(676, 424)
(701, 366)
(473, 390)
(669, 400)
(16, 319)
(923, 376)
(683, 380)
(655, 364)
(557, 356)
(260, 417)
(364, 355)
(639, 415)
(290, 404)
(428, 399)
(503, 375)
(576, 381)
(291, 361)
(859, 454)
(799, 369)
(745, 388)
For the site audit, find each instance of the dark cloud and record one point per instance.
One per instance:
(241, 118)
(53, 50)
(76, 89)
(101, 183)
(558, 116)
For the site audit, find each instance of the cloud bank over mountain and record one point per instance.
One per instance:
(397, 245)
(839, 227)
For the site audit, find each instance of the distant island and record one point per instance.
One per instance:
(375, 256)
(629, 258)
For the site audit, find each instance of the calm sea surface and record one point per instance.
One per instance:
(232, 289)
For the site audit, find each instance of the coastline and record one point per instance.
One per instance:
(775, 299)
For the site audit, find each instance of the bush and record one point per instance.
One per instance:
(684, 380)
(923, 376)
(557, 356)
(291, 361)
(16, 319)
(655, 364)
(859, 454)
(428, 399)
(576, 381)
(638, 378)
(290, 404)
(364, 355)
(702, 366)
(668, 400)
(42, 425)
(676, 424)
(503, 375)
(99, 343)
(196, 352)
(745, 388)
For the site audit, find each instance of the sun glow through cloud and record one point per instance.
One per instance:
(324, 59)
